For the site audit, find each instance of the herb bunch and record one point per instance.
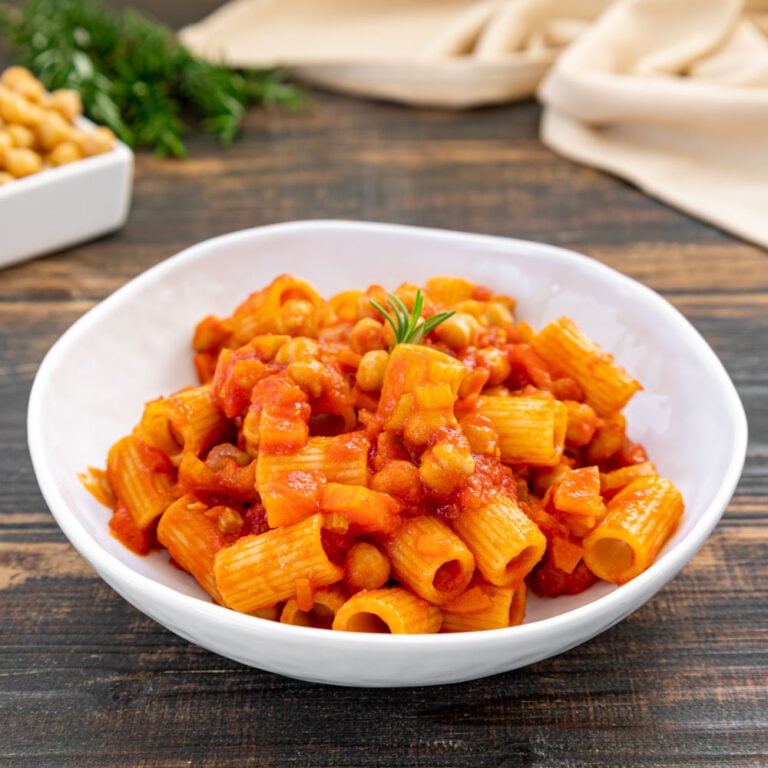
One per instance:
(133, 74)
(409, 327)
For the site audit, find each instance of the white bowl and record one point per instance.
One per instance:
(135, 346)
(60, 207)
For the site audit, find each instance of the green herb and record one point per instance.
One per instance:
(133, 74)
(409, 328)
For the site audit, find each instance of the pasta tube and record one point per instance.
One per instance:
(388, 610)
(189, 420)
(505, 542)
(341, 459)
(531, 428)
(326, 602)
(421, 385)
(192, 539)
(427, 556)
(507, 609)
(639, 519)
(287, 305)
(607, 386)
(142, 478)
(258, 571)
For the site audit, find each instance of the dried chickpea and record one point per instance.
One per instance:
(21, 136)
(15, 109)
(22, 81)
(20, 161)
(13, 75)
(43, 125)
(52, 130)
(66, 152)
(66, 102)
(96, 141)
(5, 178)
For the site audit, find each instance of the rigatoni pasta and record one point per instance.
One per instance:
(412, 462)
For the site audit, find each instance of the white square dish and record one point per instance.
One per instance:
(63, 206)
(135, 346)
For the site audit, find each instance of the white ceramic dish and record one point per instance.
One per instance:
(60, 207)
(134, 346)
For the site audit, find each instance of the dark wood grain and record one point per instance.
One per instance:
(86, 680)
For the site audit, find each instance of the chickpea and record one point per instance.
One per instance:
(498, 314)
(16, 109)
(296, 317)
(458, 331)
(67, 103)
(52, 130)
(474, 308)
(20, 161)
(420, 426)
(21, 136)
(497, 364)
(481, 434)
(37, 130)
(399, 478)
(367, 334)
(366, 567)
(66, 152)
(309, 375)
(22, 81)
(370, 372)
(5, 177)
(96, 141)
(446, 465)
(14, 75)
(300, 348)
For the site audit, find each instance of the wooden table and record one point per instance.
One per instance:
(86, 680)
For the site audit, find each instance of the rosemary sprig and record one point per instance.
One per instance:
(409, 328)
(133, 74)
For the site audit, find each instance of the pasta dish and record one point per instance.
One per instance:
(414, 462)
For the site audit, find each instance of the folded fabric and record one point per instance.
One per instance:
(434, 53)
(673, 96)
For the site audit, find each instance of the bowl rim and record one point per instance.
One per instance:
(616, 604)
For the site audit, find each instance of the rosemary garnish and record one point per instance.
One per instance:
(133, 74)
(409, 328)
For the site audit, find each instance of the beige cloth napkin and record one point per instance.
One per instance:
(669, 94)
(431, 53)
(673, 96)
